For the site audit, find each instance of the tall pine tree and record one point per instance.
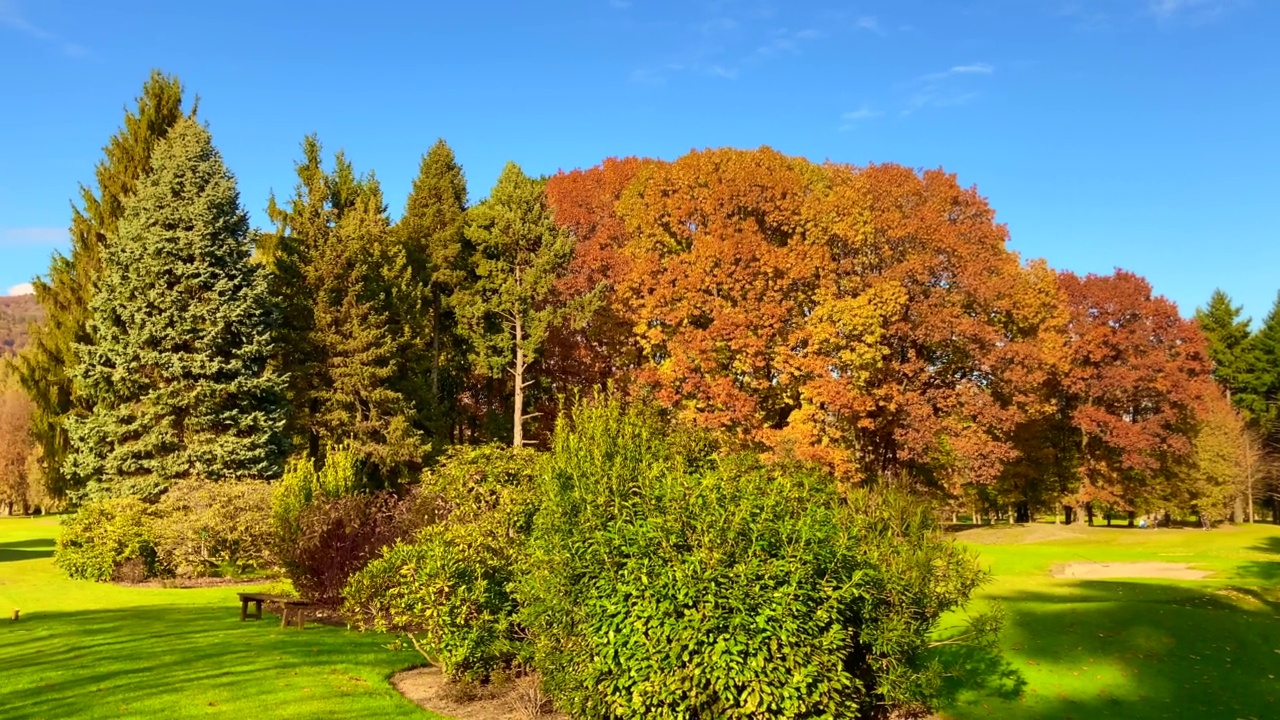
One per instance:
(176, 374)
(520, 252)
(1263, 375)
(432, 233)
(46, 365)
(1228, 337)
(343, 281)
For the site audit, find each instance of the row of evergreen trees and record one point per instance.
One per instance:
(1246, 363)
(181, 343)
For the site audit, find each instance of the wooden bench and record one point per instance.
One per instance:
(287, 605)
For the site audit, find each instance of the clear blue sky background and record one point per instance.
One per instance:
(1107, 133)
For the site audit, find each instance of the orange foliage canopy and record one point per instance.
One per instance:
(868, 318)
(1136, 388)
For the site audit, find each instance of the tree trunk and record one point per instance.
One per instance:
(435, 350)
(1088, 512)
(518, 436)
(1068, 514)
(1108, 519)
(1132, 516)
(1023, 512)
(1237, 511)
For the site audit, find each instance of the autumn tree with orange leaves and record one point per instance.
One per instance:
(870, 319)
(1137, 377)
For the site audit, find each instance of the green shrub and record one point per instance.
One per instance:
(208, 528)
(109, 539)
(449, 590)
(666, 584)
(302, 483)
(336, 538)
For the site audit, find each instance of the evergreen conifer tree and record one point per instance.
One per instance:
(46, 365)
(341, 278)
(1228, 337)
(520, 252)
(1263, 374)
(176, 376)
(432, 233)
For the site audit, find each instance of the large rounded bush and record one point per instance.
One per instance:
(205, 528)
(662, 584)
(109, 539)
(449, 590)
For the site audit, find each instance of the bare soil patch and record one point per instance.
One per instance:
(188, 583)
(514, 700)
(1103, 571)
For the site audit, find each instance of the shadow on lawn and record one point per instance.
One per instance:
(1139, 650)
(1265, 570)
(26, 549)
(148, 658)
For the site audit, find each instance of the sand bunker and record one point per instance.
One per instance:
(1102, 571)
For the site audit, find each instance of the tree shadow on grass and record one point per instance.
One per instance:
(180, 661)
(1139, 650)
(26, 549)
(1265, 570)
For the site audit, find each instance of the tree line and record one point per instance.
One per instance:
(867, 319)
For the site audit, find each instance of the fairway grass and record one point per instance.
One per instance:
(1123, 648)
(1130, 648)
(91, 650)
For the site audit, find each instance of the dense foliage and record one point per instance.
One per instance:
(66, 291)
(667, 583)
(204, 529)
(182, 326)
(109, 539)
(449, 588)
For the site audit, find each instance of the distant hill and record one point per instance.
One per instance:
(16, 314)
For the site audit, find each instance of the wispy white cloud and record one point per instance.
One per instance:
(862, 113)
(728, 39)
(870, 23)
(946, 88)
(11, 17)
(32, 237)
(22, 289)
(787, 42)
(1085, 17)
(1194, 11)
(851, 119)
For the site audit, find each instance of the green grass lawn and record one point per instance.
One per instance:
(89, 650)
(1138, 649)
(1130, 648)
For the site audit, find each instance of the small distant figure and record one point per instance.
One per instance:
(1143, 522)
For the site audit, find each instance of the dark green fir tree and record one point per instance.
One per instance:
(177, 374)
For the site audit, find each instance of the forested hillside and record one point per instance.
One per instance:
(16, 314)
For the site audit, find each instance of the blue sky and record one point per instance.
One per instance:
(1107, 133)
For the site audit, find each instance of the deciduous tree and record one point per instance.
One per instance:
(1137, 372)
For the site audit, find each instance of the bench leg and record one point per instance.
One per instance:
(284, 616)
(257, 609)
(301, 615)
(244, 610)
